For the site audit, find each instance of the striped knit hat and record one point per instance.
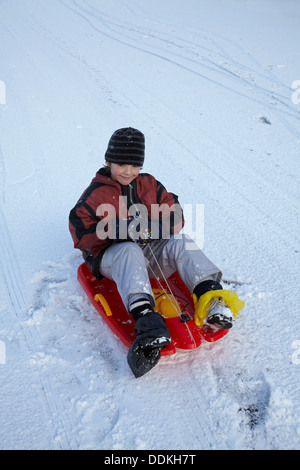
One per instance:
(126, 146)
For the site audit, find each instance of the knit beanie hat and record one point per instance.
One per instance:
(126, 146)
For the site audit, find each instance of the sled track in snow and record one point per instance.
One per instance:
(191, 57)
(10, 269)
(14, 288)
(197, 416)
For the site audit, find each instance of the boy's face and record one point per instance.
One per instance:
(124, 174)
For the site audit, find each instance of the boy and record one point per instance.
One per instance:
(125, 225)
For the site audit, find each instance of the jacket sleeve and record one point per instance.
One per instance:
(83, 226)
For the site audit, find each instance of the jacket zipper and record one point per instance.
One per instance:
(131, 201)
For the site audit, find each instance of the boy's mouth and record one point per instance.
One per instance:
(126, 177)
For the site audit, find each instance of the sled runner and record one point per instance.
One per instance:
(177, 309)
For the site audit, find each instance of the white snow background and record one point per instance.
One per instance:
(214, 86)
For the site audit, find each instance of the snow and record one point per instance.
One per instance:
(213, 85)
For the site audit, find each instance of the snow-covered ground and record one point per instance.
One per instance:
(214, 85)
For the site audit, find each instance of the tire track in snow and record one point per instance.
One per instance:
(187, 47)
(14, 283)
(61, 422)
(96, 16)
(10, 269)
(222, 55)
(198, 416)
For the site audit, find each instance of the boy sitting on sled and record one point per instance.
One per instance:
(126, 224)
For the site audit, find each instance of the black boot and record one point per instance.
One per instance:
(151, 335)
(218, 316)
(151, 328)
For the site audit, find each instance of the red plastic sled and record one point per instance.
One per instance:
(184, 334)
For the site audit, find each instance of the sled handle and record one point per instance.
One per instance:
(100, 298)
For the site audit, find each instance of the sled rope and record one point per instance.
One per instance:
(164, 278)
(171, 292)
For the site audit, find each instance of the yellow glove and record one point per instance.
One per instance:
(201, 305)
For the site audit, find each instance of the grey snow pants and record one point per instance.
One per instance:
(131, 266)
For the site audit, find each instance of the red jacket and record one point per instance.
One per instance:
(105, 199)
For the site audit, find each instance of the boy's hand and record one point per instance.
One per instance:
(139, 230)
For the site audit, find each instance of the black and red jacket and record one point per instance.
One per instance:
(106, 196)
